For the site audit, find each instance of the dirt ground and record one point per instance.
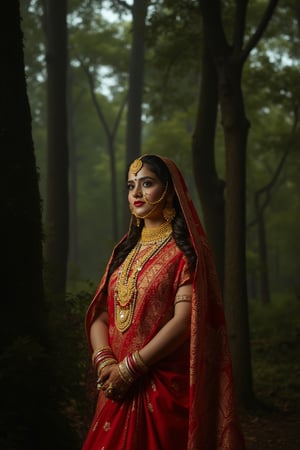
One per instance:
(274, 429)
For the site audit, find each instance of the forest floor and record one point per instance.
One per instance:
(274, 423)
(276, 428)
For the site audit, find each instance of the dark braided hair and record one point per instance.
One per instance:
(180, 230)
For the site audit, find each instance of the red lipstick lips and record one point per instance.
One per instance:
(139, 203)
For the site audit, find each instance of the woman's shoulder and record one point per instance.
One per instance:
(174, 250)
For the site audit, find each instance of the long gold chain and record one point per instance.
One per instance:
(125, 292)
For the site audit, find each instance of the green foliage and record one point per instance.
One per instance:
(275, 341)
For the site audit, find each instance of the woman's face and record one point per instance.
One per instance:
(144, 187)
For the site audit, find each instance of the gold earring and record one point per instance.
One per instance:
(137, 219)
(169, 212)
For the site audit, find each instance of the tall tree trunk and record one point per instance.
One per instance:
(136, 80)
(210, 187)
(229, 60)
(57, 201)
(135, 91)
(73, 242)
(263, 257)
(22, 290)
(27, 408)
(236, 126)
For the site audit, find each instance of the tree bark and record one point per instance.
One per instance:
(209, 185)
(22, 290)
(57, 199)
(73, 242)
(136, 80)
(229, 60)
(23, 333)
(235, 126)
(135, 90)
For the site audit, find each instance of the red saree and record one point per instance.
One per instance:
(186, 401)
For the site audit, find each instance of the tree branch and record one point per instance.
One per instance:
(94, 98)
(124, 4)
(268, 187)
(239, 26)
(260, 29)
(119, 115)
(213, 27)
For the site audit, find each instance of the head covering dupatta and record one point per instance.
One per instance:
(213, 422)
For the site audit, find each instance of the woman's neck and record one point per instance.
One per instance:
(153, 223)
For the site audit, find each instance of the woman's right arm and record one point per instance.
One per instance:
(109, 375)
(99, 331)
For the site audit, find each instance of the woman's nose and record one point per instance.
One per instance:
(137, 192)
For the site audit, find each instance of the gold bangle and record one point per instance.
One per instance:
(139, 362)
(124, 374)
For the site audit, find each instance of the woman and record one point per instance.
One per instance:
(157, 331)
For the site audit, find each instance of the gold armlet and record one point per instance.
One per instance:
(182, 298)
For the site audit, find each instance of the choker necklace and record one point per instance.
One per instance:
(125, 292)
(153, 235)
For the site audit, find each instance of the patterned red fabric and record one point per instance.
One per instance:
(186, 401)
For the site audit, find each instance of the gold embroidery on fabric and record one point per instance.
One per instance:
(150, 407)
(153, 385)
(95, 426)
(106, 426)
(125, 292)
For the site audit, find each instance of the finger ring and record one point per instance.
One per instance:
(99, 385)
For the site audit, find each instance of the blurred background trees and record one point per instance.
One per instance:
(214, 86)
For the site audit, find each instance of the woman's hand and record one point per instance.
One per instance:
(112, 384)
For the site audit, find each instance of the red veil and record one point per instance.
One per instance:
(213, 423)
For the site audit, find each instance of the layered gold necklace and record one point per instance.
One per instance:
(125, 292)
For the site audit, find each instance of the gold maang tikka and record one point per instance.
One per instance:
(136, 166)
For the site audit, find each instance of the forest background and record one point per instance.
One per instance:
(215, 87)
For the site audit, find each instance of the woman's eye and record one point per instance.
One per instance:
(147, 184)
(130, 187)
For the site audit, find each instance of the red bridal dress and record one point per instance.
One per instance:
(186, 401)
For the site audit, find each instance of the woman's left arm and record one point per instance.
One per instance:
(174, 332)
